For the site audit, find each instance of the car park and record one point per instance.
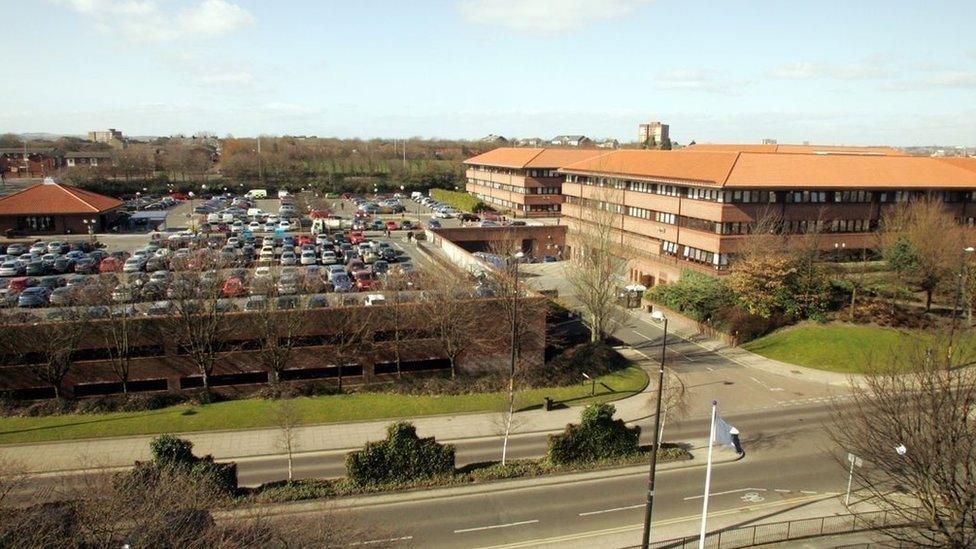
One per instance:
(317, 301)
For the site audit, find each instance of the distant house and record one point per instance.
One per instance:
(29, 162)
(90, 159)
(534, 142)
(571, 141)
(52, 208)
(608, 144)
(496, 139)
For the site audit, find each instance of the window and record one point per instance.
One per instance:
(669, 248)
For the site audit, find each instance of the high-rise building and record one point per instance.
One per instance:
(653, 132)
(111, 137)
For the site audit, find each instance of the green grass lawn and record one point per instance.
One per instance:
(252, 413)
(847, 348)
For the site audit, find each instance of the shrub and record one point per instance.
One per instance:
(167, 449)
(695, 294)
(221, 476)
(591, 358)
(598, 436)
(460, 200)
(401, 457)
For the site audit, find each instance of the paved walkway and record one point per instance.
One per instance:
(122, 451)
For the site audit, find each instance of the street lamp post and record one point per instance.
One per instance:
(649, 508)
(963, 280)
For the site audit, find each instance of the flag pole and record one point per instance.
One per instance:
(708, 478)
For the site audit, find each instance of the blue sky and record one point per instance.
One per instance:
(854, 71)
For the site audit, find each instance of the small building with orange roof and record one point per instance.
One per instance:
(54, 208)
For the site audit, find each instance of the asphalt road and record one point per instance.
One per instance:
(789, 461)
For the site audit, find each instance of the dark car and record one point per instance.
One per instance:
(468, 217)
(153, 291)
(51, 282)
(255, 303)
(160, 308)
(36, 268)
(35, 296)
(98, 255)
(318, 301)
(86, 265)
(155, 263)
(64, 265)
(287, 302)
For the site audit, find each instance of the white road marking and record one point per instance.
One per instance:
(765, 386)
(807, 492)
(782, 491)
(728, 492)
(611, 510)
(375, 541)
(682, 355)
(522, 523)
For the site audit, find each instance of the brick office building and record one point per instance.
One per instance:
(523, 181)
(692, 208)
(53, 208)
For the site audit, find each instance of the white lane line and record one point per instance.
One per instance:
(478, 529)
(765, 386)
(782, 491)
(682, 355)
(728, 492)
(375, 541)
(807, 492)
(611, 510)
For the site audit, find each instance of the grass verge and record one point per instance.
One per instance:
(844, 348)
(257, 413)
(280, 492)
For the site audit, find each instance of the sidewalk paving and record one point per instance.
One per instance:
(77, 455)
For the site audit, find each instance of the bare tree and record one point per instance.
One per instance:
(49, 347)
(923, 244)
(197, 323)
(451, 314)
(278, 331)
(596, 268)
(288, 417)
(912, 421)
(120, 331)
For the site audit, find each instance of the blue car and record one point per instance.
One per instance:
(35, 296)
(433, 224)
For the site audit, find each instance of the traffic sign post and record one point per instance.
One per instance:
(855, 462)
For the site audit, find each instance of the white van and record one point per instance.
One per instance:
(282, 193)
(257, 193)
(213, 218)
(254, 212)
(375, 299)
(416, 195)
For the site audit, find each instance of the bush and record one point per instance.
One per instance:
(170, 450)
(460, 200)
(221, 476)
(745, 326)
(401, 457)
(598, 436)
(591, 358)
(695, 294)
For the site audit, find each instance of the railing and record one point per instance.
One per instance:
(777, 532)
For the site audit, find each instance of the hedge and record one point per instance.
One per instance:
(598, 436)
(401, 457)
(460, 200)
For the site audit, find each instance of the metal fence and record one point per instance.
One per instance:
(775, 532)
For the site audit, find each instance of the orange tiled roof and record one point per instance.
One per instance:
(800, 149)
(55, 199)
(773, 170)
(521, 158)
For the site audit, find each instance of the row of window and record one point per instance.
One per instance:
(544, 208)
(695, 255)
(768, 197)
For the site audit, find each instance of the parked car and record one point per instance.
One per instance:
(35, 296)
(255, 303)
(288, 258)
(62, 296)
(341, 282)
(110, 265)
(309, 258)
(11, 268)
(318, 301)
(160, 308)
(433, 224)
(234, 287)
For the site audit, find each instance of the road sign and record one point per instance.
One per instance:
(854, 460)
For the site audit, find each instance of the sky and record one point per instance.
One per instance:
(831, 72)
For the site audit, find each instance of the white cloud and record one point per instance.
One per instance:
(228, 78)
(697, 80)
(544, 16)
(804, 70)
(156, 21)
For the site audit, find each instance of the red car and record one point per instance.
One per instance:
(18, 284)
(110, 265)
(355, 237)
(304, 239)
(233, 287)
(392, 226)
(365, 280)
